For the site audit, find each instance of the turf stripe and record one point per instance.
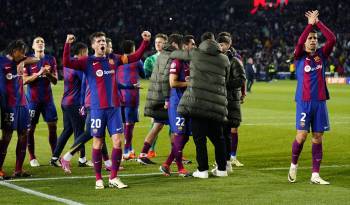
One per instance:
(39, 194)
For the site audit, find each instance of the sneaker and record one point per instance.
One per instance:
(186, 161)
(34, 163)
(116, 182)
(99, 184)
(184, 173)
(165, 169)
(66, 166)
(292, 174)
(55, 163)
(151, 154)
(87, 163)
(3, 175)
(109, 168)
(229, 167)
(145, 161)
(316, 179)
(200, 174)
(20, 174)
(236, 163)
(132, 155)
(219, 173)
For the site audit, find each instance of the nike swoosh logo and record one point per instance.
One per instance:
(119, 129)
(95, 63)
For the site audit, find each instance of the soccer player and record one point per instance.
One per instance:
(39, 95)
(100, 72)
(236, 79)
(85, 110)
(150, 61)
(158, 95)
(236, 97)
(129, 74)
(179, 125)
(14, 110)
(73, 121)
(311, 94)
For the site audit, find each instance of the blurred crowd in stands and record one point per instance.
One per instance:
(268, 36)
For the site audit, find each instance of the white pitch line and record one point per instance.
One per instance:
(286, 168)
(39, 194)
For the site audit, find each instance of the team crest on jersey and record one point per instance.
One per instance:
(317, 59)
(307, 68)
(99, 73)
(302, 124)
(94, 131)
(111, 61)
(9, 76)
(173, 65)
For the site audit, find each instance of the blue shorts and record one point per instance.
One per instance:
(130, 114)
(108, 117)
(15, 118)
(312, 114)
(178, 124)
(48, 111)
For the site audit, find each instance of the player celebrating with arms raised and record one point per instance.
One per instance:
(100, 72)
(311, 94)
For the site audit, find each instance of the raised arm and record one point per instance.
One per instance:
(311, 18)
(146, 36)
(299, 49)
(76, 64)
(330, 37)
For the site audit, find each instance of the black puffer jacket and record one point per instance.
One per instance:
(206, 95)
(159, 86)
(235, 82)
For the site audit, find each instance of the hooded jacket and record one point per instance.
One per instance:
(206, 95)
(159, 87)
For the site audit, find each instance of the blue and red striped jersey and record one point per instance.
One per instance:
(11, 84)
(72, 87)
(129, 74)
(101, 74)
(39, 91)
(311, 68)
(182, 70)
(85, 93)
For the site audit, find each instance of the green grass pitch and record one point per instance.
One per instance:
(265, 138)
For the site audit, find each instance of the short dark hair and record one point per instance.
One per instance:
(225, 33)
(207, 35)
(128, 46)
(224, 39)
(176, 38)
(162, 35)
(313, 31)
(187, 39)
(14, 45)
(78, 47)
(96, 35)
